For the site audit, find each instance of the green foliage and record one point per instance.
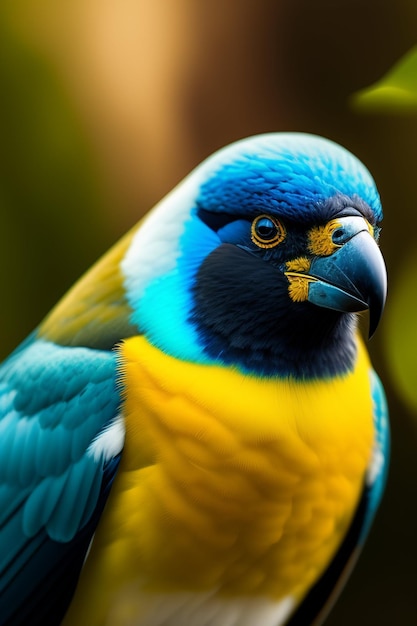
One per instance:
(396, 95)
(396, 92)
(400, 332)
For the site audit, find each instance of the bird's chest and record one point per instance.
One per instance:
(231, 483)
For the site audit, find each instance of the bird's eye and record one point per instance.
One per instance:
(267, 232)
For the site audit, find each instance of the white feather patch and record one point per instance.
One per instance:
(376, 466)
(154, 248)
(109, 442)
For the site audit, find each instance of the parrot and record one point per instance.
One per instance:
(195, 434)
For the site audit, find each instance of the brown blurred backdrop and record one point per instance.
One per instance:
(106, 104)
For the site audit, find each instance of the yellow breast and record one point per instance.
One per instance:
(229, 482)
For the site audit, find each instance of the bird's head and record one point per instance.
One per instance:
(261, 258)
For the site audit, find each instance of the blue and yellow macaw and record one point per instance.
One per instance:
(195, 435)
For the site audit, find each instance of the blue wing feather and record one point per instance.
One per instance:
(55, 401)
(378, 469)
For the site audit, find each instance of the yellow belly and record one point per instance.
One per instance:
(228, 483)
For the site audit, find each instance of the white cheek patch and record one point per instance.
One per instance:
(109, 442)
(155, 247)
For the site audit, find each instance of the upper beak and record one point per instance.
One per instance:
(351, 279)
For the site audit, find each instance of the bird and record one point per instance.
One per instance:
(195, 434)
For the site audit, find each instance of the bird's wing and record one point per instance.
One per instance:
(319, 600)
(60, 444)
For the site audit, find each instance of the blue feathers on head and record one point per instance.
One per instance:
(293, 173)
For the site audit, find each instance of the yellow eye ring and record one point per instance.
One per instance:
(267, 231)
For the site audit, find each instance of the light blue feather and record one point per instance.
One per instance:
(54, 402)
(377, 474)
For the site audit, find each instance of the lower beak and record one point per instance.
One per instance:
(352, 279)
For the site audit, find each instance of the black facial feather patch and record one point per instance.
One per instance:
(243, 314)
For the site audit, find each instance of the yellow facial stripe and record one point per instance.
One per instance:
(298, 280)
(300, 264)
(320, 240)
(371, 229)
(298, 287)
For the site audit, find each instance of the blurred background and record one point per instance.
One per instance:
(107, 104)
